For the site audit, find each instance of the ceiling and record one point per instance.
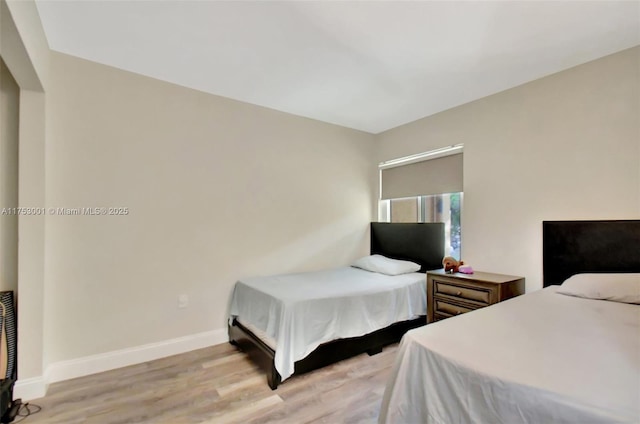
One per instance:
(368, 65)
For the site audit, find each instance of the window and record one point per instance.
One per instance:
(435, 208)
(425, 188)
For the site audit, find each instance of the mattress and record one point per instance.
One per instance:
(539, 358)
(301, 311)
(264, 337)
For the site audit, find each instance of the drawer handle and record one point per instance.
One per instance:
(458, 293)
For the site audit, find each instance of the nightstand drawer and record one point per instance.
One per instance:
(450, 308)
(454, 294)
(477, 295)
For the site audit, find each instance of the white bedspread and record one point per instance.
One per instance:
(302, 311)
(539, 358)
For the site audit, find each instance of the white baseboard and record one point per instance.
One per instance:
(33, 388)
(93, 364)
(30, 388)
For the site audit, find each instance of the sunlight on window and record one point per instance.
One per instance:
(444, 208)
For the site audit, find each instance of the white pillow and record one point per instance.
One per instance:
(616, 287)
(383, 265)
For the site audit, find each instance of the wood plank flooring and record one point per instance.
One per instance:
(219, 385)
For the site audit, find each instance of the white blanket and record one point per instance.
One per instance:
(302, 311)
(539, 358)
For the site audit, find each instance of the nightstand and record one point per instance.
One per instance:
(454, 294)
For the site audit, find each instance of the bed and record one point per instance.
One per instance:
(538, 358)
(291, 324)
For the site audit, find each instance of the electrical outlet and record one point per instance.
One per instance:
(183, 301)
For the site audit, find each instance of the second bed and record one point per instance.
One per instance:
(297, 322)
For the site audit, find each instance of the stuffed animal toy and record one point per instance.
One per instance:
(450, 264)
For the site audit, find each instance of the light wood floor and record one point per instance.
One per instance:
(219, 385)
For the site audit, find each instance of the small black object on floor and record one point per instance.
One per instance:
(11, 411)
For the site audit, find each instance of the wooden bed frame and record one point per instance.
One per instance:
(420, 243)
(573, 247)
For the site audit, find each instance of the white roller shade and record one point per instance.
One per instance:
(434, 176)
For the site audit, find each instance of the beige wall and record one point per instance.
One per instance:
(31, 255)
(23, 44)
(24, 49)
(9, 108)
(216, 190)
(563, 147)
(404, 210)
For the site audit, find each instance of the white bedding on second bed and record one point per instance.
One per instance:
(539, 358)
(302, 311)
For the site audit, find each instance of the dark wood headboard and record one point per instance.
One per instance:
(573, 247)
(421, 243)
